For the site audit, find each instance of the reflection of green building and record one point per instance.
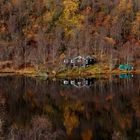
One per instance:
(125, 67)
(126, 76)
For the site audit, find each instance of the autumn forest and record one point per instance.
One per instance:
(39, 34)
(69, 69)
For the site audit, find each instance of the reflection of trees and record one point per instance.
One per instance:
(71, 120)
(32, 107)
(40, 128)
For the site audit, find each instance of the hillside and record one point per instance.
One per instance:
(39, 34)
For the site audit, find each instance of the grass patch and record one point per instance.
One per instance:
(92, 71)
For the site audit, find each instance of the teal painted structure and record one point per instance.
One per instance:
(126, 76)
(125, 67)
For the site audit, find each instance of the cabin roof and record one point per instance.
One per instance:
(78, 57)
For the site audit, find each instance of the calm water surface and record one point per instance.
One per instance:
(70, 109)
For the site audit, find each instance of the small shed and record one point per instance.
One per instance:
(126, 67)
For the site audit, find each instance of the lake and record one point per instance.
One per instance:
(70, 109)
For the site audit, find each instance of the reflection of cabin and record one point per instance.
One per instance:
(79, 61)
(79, 82)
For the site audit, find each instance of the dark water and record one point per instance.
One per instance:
(76, 109)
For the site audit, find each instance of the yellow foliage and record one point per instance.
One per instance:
(87, 134)
(48, 109)
(70, 121)
(125, 6)
(70, 19)
(52, 10)
(62, 56)
(136, 25)
(14, 2)
(48, 16)
(110, 41)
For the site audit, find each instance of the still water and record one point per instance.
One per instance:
(70, 109)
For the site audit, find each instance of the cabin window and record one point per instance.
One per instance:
(72, 61)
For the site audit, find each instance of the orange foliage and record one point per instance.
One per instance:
(87, 134)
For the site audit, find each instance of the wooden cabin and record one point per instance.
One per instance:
(68, 63)
(79, 61)
(90, 61)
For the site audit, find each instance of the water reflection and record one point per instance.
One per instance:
(124, 76)
(79, 82)
(34, 109)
